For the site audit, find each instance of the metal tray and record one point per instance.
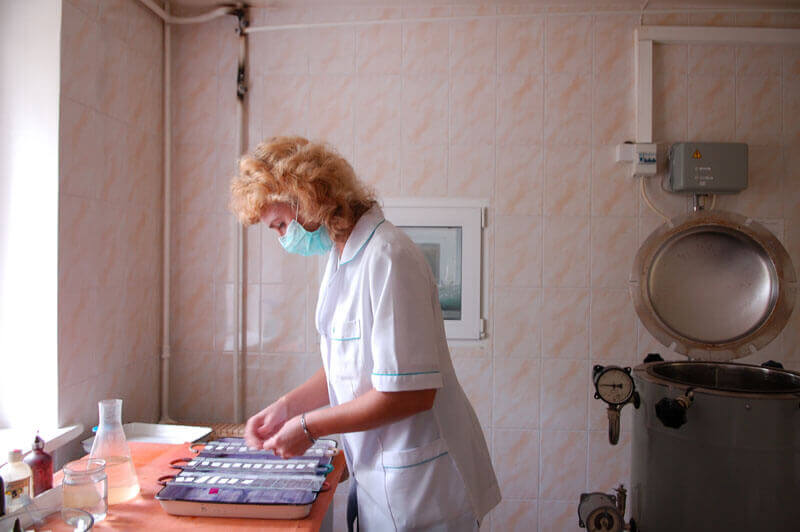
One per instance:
(157, 433)
(205, 490)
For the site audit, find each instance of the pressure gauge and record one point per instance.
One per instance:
(613, 384)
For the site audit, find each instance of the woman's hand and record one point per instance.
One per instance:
(266, 423)
(290, 440)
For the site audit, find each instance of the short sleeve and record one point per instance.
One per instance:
(407, 331)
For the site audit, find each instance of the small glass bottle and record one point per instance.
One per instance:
(41, 465)
(110, 445)
(85, 487)
(17, 478)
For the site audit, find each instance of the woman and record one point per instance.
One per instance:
(415, 449)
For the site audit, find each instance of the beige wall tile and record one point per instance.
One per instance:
(520, 179)
(425, 47)
(80, 57)
(557, 516)
(790, 107)
(613, 249)
(565, 256)
(612, 46)
(473, 373)
(569, 44)
(568, 109)
(758, 61)
(424, 113)
(711, 109)
(424, 171)
(613, 324)
(518, 515)
(563, 403)
(332, 51)
(712, 60)
(520, 109)
(518, 251)
(614, 192)
(379, 166)
(520, 45)
(472, 109)
(567, 174)
(471, 172)
(565, 323)
(517, 323)
(378, 110)
(473, 46)
(516, 393)
(563, 473)
(758, 110)
(609, 465)
(516, 463)
(379, 49)
(283, 315)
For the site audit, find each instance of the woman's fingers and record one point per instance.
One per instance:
(251, 436)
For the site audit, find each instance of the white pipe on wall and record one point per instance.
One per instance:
(165, 328)
(166, 17)
(319, 25)
(167, 104)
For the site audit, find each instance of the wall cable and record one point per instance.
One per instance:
(650, 203)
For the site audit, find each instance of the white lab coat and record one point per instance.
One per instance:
(381, 327)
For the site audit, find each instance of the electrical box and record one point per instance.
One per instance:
(708, 167)
(644, 161)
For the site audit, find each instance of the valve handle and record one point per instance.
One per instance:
(653, 357)
(672, 412)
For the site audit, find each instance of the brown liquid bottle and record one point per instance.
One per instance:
(41, 465)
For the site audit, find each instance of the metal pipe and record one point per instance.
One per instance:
(239, 272)
(165, 328)
(313, 25)
(223, 10)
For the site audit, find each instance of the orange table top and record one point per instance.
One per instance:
(144, 512)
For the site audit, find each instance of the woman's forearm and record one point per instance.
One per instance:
(310, 395)
(368, 411)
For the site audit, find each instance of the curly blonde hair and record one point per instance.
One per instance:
(311, 176)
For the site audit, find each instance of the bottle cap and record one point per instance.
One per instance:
(38, 443)
(15, 456)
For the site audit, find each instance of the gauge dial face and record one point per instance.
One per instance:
(614, 385)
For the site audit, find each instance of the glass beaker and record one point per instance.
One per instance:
(85, 487)
(110, 445)
(79, 520)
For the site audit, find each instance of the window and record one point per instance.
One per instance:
(449, 233)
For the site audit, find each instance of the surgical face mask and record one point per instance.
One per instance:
(298, 240)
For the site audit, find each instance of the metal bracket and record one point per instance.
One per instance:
(241, 77)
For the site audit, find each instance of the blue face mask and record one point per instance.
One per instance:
(298, 240)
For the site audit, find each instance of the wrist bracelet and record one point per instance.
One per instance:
(305, 428)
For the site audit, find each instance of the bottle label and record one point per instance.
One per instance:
(17, 488)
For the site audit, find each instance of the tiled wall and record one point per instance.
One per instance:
(524, 109)
(110, 209)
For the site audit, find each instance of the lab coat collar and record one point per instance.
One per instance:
(362, 233)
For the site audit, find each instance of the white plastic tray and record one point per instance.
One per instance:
(156, 433)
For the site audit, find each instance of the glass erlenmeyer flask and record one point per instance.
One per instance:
(110, 445)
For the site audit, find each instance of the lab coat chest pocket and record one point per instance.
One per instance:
(423, 486)
(345, 347)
